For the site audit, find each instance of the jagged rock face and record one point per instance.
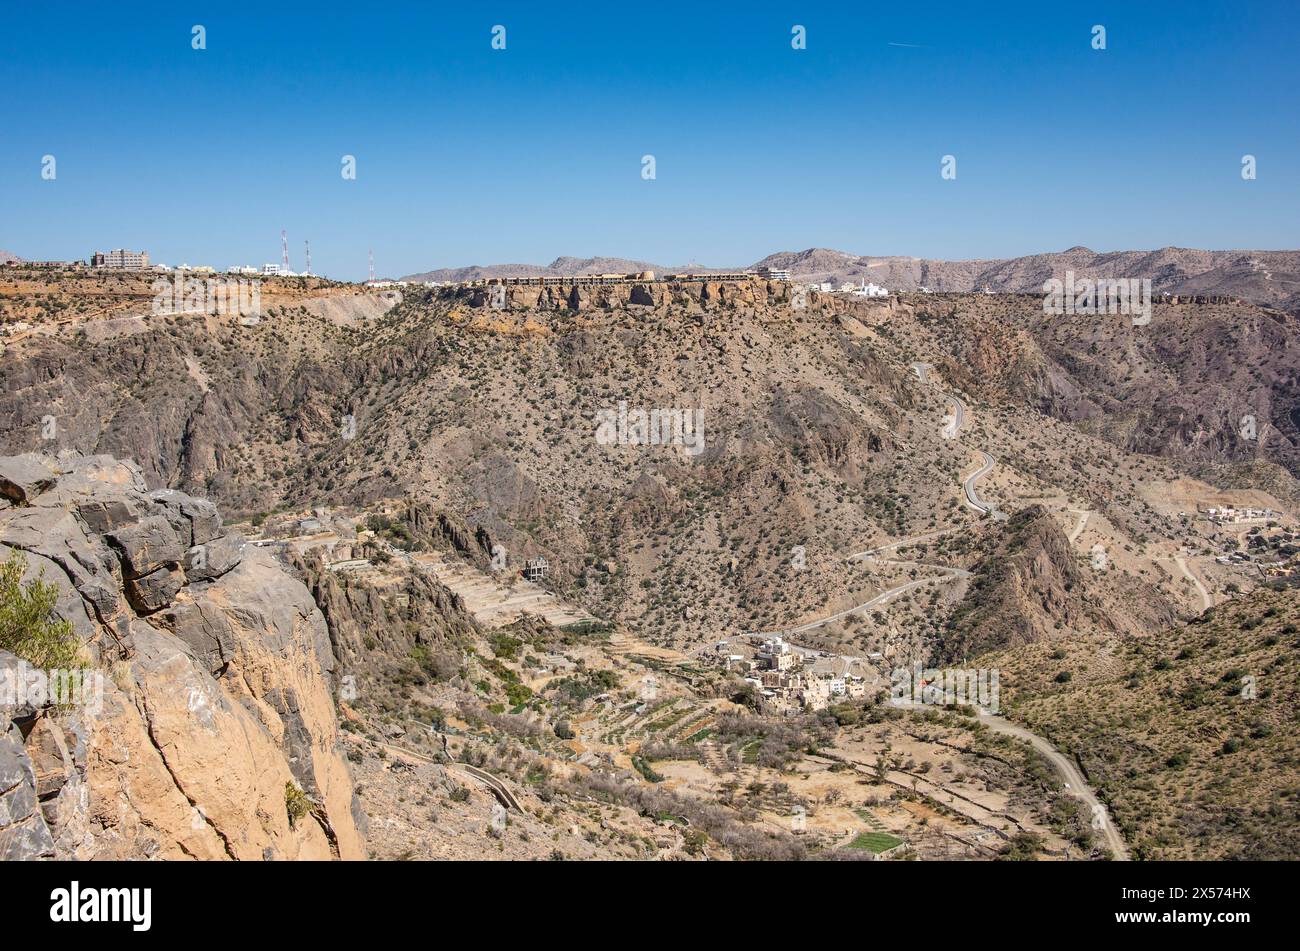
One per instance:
(1021, 589)
(373, 632)
(1181, 386)
(818, 428)
(214, 686)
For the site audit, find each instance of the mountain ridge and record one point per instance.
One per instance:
(1267, 277)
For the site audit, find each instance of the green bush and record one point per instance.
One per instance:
(29, 628)
(296, 803)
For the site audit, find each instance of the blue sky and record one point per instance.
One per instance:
(469, 155)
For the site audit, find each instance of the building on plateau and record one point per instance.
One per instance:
(121, 259)
(774, 273)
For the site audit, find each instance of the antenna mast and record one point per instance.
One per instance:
(307, 245)
(284, 251)
(372, 267)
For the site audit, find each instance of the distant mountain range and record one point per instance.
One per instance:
(6, 257)
(560, 267)
(1268, 277)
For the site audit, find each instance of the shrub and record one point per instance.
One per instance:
(296, 803)
(29, 628)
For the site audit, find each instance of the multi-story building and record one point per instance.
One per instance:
(121, 259)
(774, 273)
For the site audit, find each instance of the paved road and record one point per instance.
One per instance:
(972, 496)
(958, 412)
(858, 556)
(1069, 774)
(495, 786)
(883, 598)
(922, 371)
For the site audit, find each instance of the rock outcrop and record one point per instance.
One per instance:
(1024, 590)
(209, 683)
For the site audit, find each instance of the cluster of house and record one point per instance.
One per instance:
(1230, 515)
(863, 289)
(790, 679)
(1276, 553)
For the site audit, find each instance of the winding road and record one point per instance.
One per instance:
(870, 552)
(972, 496)
(951, 429)
(1070, 774)
(1071, 777)
(882, 598)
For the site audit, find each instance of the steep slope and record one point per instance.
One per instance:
(209, 730)
(1181, 386)
(1190, 734)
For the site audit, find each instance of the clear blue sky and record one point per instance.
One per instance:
(469, 155)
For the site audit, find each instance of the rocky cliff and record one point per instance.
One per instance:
(208, 729)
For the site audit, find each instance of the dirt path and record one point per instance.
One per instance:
(1207, 600)
(1070, 774)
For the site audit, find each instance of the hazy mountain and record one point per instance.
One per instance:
(560, 267)
(6, 257)
(1268, 277)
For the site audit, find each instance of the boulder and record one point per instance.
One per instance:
(210, 561)
(22, 478)
(156, 590)
(23, 832)
(146, 546)
(105, 515)
(196, 521)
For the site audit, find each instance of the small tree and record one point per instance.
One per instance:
(29, 627)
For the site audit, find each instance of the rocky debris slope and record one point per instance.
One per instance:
(209, 730)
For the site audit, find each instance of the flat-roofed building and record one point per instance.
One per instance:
(122, 259)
